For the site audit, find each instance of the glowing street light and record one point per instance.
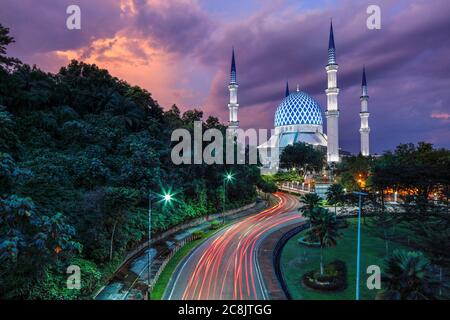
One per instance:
(167, 198)
(227, 178)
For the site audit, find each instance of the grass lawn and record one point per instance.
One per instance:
(296, 260)
(165, 276)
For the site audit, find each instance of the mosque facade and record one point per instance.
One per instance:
(299, 118)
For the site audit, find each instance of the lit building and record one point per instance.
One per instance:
(332, 93)
(364, 114)
(299, 117)
(233, 105)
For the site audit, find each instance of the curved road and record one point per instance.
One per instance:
(226, 266)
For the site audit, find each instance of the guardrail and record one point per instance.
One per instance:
(292, 189)
(144, 245)
(167, 259)
(173, 230)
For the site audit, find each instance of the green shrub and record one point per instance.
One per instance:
(215, 225)
(333, 279)
(198, 234)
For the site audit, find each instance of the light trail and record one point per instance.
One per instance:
(225, 267)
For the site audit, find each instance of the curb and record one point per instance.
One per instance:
(277, 255)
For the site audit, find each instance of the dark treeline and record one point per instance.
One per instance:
(79, 152)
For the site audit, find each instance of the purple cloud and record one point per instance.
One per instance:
(407, 64)
(407, 60)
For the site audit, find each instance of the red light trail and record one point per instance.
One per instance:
(226, 266)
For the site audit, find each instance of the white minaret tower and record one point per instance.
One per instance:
(233, 105)
(364, 114)
(332, 112)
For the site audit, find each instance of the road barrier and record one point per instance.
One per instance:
(167, 259)
(277, 255)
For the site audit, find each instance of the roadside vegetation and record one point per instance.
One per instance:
(405, 229)
(80, 151)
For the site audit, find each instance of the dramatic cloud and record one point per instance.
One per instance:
(180, 51)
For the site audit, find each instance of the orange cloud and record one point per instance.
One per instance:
(135, 60)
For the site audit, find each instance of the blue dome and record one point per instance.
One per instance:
(298, 108)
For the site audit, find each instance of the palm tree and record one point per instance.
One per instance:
(407, 276)
(309, 201)
(335, 195)
(325, 229)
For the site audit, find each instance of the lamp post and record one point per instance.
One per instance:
(227, 178)
(358, 250)
(166, 198)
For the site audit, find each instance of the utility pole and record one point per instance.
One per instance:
(358, 250)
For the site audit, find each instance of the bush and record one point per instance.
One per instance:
(215, 225)
(333, 279)
(198, 234)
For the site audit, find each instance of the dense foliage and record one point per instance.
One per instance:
(302, 157)
(80, 151)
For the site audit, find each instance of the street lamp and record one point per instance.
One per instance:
(167, 198)
(227, 178)
(358, 250)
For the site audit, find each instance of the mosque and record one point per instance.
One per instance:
(299, 118)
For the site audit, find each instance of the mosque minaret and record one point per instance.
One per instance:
(332, 93)
(364, 114)
(233, 105)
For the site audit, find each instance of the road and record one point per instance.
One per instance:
(226, 265)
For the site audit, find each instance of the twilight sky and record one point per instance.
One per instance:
(180, 51)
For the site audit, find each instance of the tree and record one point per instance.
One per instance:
(9, 142)
(5, 40)
(353, 171)
(431, 233)
(301, 156)
(84, 149)
(118, 202)
(335, 195)
(407, 276)
(324, 229)
(30, 241)
(267, 185)
(309, 201)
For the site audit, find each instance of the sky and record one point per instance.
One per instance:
(180, 51)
